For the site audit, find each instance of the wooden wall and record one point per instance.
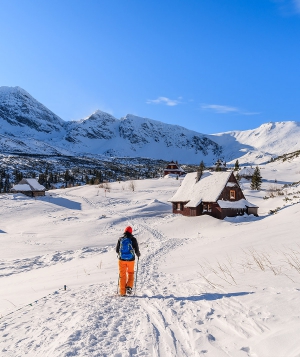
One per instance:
(31, 193)
(225, 194)
(185, 211)
(38, 193)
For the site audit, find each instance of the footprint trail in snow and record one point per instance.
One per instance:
(163, 319)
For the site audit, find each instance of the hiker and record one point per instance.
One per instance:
(127, 247)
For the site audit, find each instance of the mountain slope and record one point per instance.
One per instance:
(22, 113)
(261, 144)
(27, 126)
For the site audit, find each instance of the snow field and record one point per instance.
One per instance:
(185, 304)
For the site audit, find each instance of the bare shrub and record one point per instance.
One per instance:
(274, 211)
(132, 186)
(221, 271)
(257, 261)
(292, 258)
(274, 190)
(106, 186)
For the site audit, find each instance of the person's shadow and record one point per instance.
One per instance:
(206, 296)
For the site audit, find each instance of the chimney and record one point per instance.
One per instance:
(199, 174)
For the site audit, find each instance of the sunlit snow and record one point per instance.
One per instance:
(205, 287)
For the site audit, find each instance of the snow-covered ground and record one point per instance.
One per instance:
(205, 287)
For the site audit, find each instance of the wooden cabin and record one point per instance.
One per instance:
(219, 165)
(217, 194)
(174, 169)
(29, 187)
(246, 172)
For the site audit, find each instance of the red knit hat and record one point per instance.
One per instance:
(128, 229)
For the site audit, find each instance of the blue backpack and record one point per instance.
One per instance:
(126, 251)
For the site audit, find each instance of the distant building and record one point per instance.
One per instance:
(217, 194)
(219, 165)
(174, 168)
(29, 187)
(246, 172)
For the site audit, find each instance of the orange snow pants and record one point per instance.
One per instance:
(126, 273)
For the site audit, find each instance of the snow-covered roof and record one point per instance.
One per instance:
(236, 204)
(231, 184)
(28, 184)
(207, 189)
(21, 187)
(173, 176)
(246, 171)
(175, 170)
(178, 168)
(35, 186)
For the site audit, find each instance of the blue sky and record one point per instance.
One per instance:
(210, 66)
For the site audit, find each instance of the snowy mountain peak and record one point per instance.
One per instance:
(5, 90)
(134, 119)
(20, 112)
(261, 144)
(27, 126)
(99, 115)
(22, 118)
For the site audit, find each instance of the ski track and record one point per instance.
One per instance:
(167, 320)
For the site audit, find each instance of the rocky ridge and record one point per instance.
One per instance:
(27, 126)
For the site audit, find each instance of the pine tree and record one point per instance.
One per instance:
(256, 179)
(6, 184)
(50, 178)
(217, 165)
(236, 166)
(67, 176)
(202, 166)
(2, 177)
(42, 179)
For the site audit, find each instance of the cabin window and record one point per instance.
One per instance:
(232, 194)
(179, 207)
(207, 207)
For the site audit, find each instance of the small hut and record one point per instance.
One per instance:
(174, 169)
(246, 172)
(219, 165)
(29, 187)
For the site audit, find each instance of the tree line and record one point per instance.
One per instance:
(76, 175)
